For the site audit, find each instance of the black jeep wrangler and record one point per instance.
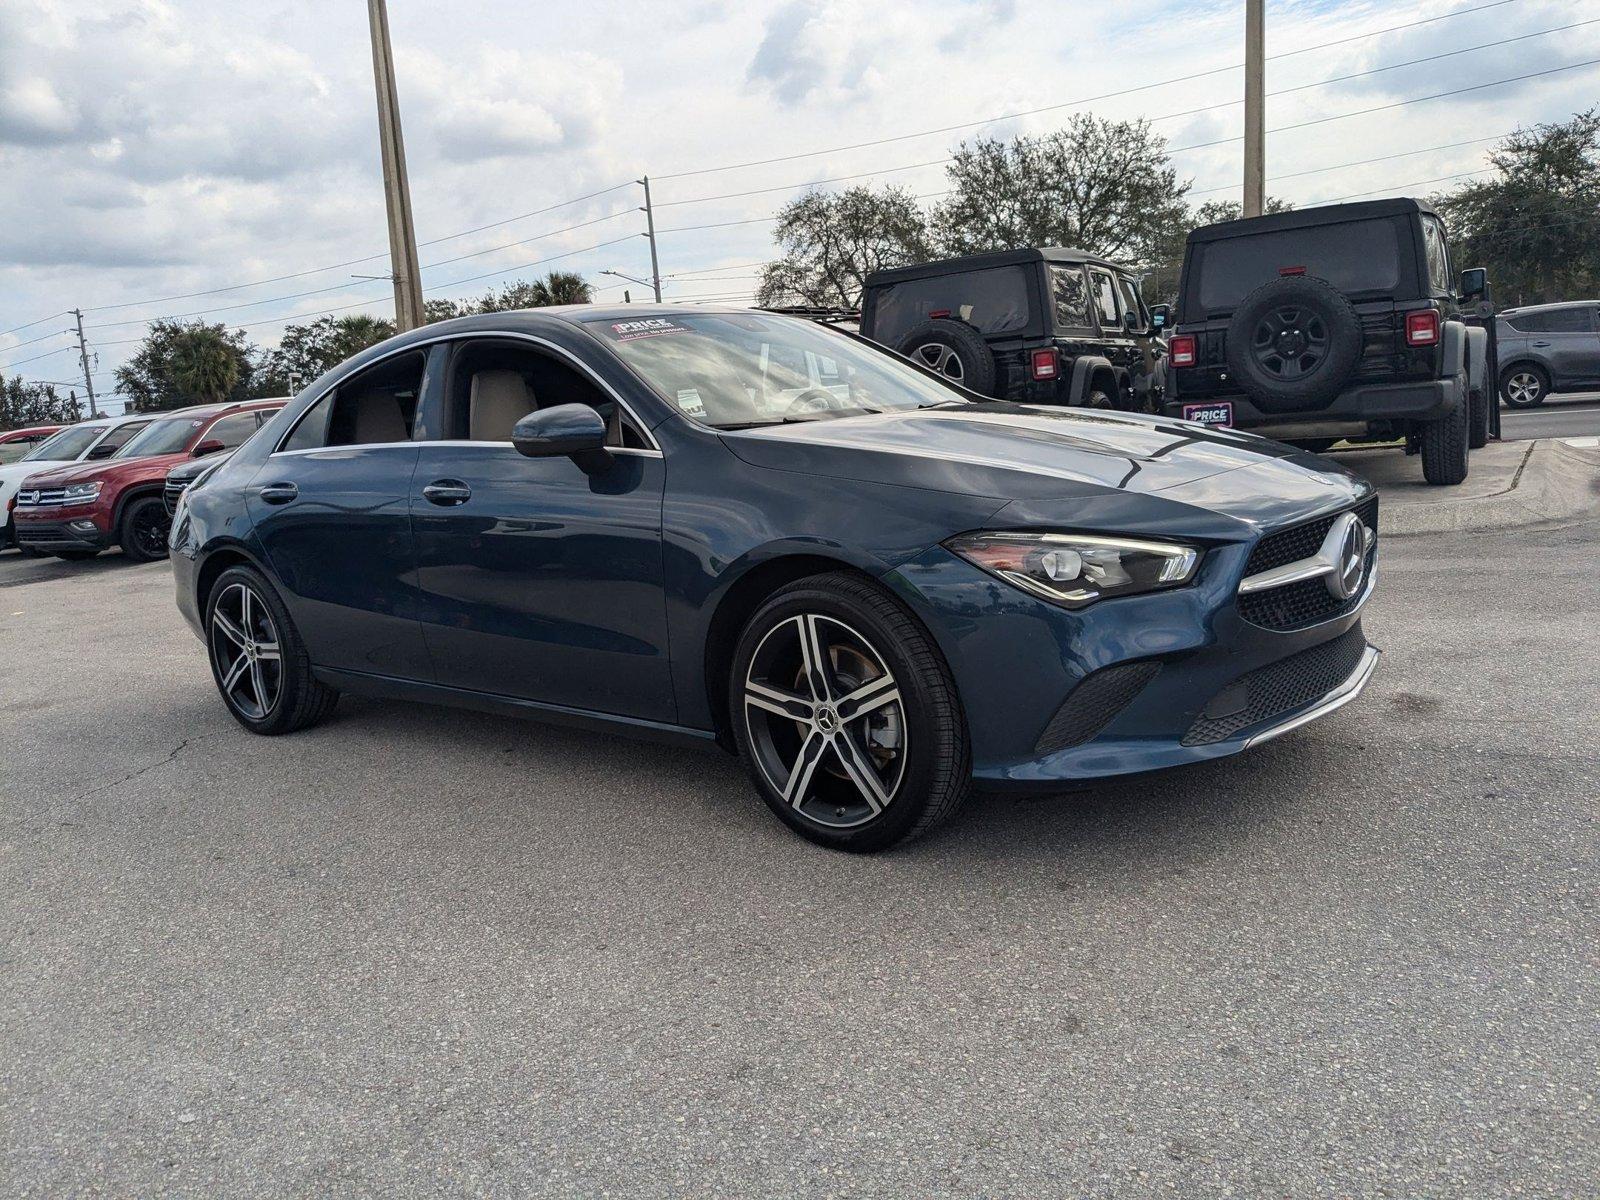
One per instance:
(1340, 322)
(1046, 326)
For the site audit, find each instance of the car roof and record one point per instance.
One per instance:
(27, 429)
(1551, 307)
(995, 258)
(1305, 218)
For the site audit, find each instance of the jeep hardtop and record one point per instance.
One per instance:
(1340, 322)
(1038, 326)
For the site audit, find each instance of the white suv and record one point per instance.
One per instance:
(84, 442)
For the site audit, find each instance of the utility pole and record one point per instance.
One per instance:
(396, 185)
(1255, 135)
(83, 361)
(650, 224)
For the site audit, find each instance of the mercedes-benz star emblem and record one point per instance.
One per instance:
(1344, 581)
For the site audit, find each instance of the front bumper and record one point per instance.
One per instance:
(61, 529)
(1131, 684)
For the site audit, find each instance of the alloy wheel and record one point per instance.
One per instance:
(1290, 342)
(1524, 388)
(827, 721)
(149, 529)
(936, 356)
(245, 651)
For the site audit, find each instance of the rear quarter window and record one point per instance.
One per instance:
(1354, 256)
(994, 301)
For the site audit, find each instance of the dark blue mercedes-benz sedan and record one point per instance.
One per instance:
(746, 529)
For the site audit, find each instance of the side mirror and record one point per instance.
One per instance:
(1160, 317)
(573, 431)
(209, 446)
(1474, 283)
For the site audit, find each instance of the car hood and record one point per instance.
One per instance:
(1011, 451)
(14, 473)
(154, 466)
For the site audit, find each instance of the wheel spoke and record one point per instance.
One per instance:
(775, 700)
(233, 632)
(235, 672)
(814, 657)
(244, 611)
(869, 697)
(267, 651)
(805, 765)
(258, 685)
(861, 771)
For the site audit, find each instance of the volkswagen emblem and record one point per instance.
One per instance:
(1350, 556)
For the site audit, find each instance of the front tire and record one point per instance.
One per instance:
(1444, 444)
(144, 529)
(257, 658)
(845, 715)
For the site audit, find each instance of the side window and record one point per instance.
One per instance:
(375, 406)
(1105, 298)
(1567, 320)
(1132, 303)
(493, 385)
(1438, 256)
(1071, 297)
(116, 439)
(232, 430)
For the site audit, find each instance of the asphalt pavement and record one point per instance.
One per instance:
(1560, 416)
(416, 951)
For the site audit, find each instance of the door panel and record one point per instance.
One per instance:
(543, 582)
(339, 539)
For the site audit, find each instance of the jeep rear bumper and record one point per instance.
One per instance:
(1351, 410)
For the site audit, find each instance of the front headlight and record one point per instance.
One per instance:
(1076, 569)
(81, 491)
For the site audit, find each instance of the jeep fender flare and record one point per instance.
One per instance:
(1084, 369)
(1453, 350)
(137, 492)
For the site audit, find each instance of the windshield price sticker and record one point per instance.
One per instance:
(632, 331)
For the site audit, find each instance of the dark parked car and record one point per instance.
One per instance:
(1344, 321)
(187, 472)
(1548, 348)
(1042, 326)
(631, 518)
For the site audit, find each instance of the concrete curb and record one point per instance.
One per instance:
(1558, 480)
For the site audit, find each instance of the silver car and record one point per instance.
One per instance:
(1548, 348)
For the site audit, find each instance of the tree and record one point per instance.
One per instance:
(831, 242)
(1106, 186)
(182, 363)
(1536, 224)
(306, 351)
(23, 403)
(558, 287)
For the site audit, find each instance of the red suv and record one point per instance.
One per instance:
(78, 511)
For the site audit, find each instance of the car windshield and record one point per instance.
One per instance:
(733, 371)
(66, 446)
(160, 437)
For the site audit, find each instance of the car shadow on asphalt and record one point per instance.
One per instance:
(17, 568)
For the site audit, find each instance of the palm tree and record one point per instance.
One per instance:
(204, 365)
(558, 287)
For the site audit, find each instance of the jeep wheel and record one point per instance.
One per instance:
(1293, 342)
(1524, 386)
(1098, 398)
(954, 350)
(1444, 444)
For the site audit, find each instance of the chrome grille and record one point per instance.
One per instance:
(41, 497)
(1305, 602)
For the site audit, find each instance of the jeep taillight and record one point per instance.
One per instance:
(1045, 364)
(1181, 350)
(1422, 328)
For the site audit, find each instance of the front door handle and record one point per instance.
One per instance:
(278, 493)
(447, 492)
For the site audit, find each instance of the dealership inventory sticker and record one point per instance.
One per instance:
(632, 331)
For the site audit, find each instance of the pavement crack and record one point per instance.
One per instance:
(170, 756)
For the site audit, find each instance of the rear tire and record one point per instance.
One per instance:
(1478, 387)
(1524, 385)
(1444, 444)
(861, 782)
(270, 689)
(143, 530)
(953, 350)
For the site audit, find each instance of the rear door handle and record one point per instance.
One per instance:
(447, 492)
(1541, 343)
(278, 493)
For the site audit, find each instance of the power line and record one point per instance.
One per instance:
(31, 324)
(1460, 12)
(1364, 162)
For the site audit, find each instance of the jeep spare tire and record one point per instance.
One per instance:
(954, 350)
(1293, 343)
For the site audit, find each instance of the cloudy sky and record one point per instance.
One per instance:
(156, 152)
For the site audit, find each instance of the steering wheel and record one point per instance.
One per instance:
(815, 400)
